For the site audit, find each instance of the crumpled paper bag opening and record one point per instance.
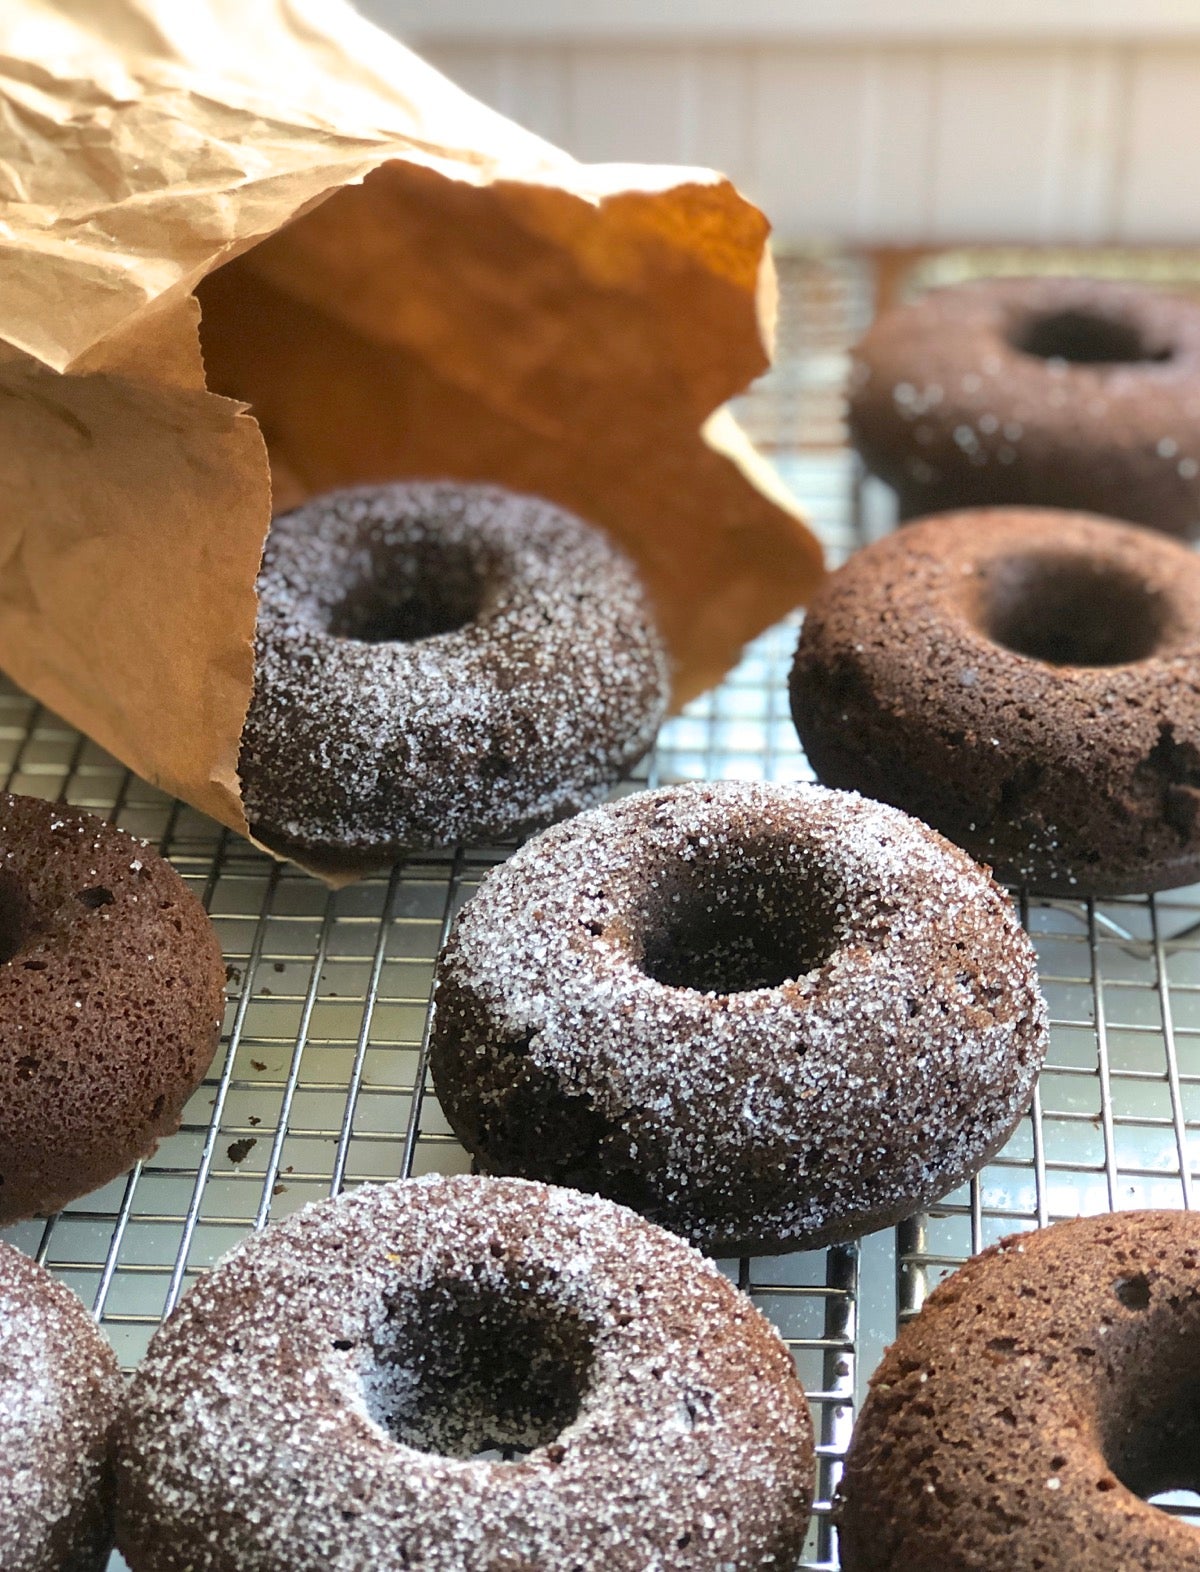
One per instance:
(385, 279)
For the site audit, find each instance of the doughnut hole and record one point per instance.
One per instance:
(432, 587)
(1150, 1424)
(1160, 1455)
(14, 915)
(1183, 1504)
(1087, 338)
(1071, 611)
(764, 917)
(473, 1369)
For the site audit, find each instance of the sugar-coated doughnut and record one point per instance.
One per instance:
(464, 1375)
(765, 1016)
(59, 1394)
(438, 662)
(1053, 392)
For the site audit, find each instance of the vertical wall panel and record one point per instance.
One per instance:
(896, 193)
(999, 147)
(809, 121)
(887, 143)
(627, 104)
(475, 67)
(533, 90)
(1160, 195)
(1084, 208)
(718, 127)
(1057, 91)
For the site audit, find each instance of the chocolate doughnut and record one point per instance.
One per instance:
(441, 662)
(343, 1392)
(767, 1017)
(59, 1393)
(1045, 1388)
(112, 990)
(1056, 392)
(1028, 683)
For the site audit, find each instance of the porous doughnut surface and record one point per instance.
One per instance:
(1016, 1423)
(319, 1402)
(765, 1016)
(438, 662)
(59, 1392)
(1028, 682)
(1053, 392)
(112, 989)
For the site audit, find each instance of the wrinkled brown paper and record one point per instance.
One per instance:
(396, 281)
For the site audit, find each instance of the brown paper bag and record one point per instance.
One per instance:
(270, 203)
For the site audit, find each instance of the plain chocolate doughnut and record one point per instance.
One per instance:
(1053, 392)
(1026, 681)
(1045, 1388)
(112, 990)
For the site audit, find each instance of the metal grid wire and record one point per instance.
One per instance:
(321, 1081)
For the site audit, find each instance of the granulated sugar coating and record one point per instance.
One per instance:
(1058, 392)
(59, 1391)
(437, 663)
(112, 989)
(765, 1016)
(318, 1401)
(1044, 1390)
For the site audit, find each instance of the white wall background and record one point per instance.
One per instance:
(882, 121)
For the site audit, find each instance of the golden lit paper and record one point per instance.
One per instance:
(213, 207)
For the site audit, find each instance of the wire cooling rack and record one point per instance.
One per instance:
(321, 1081)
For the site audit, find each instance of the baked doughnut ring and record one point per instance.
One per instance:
(59, 1394)
(1053, 392)
(1046, 1387)
(438, 662)
(767, 1017)
(341, 1392)
(112, 990)
(1026, 681)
